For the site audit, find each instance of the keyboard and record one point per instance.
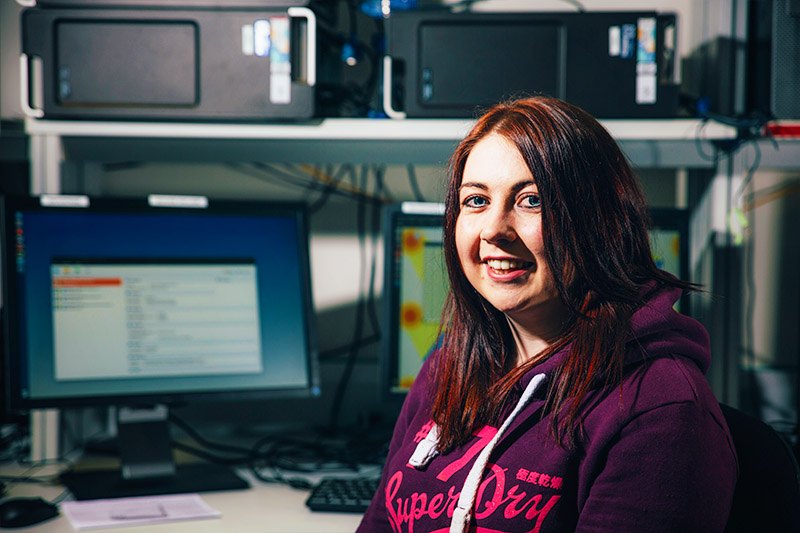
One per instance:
(342, 495)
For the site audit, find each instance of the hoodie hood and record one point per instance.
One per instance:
(660, 331)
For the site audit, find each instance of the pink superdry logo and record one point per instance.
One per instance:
(520, 500)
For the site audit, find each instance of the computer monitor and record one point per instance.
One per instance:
(416, 283)
(669, 241)
(154, 302)
(414, 292)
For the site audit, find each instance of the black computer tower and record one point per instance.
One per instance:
(773, 62)
(612, 64)
(185, 60)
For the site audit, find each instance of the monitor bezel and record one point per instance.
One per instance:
(676, 219)
(394, 214)
(16, 402)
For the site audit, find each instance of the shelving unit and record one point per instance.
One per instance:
(676, 143)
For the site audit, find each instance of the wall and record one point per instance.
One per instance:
(769, 340)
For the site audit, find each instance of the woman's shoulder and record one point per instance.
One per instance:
(655, 385)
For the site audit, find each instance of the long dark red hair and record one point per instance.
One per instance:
(595, 221)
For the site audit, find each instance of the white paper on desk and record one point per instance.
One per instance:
(119, 512)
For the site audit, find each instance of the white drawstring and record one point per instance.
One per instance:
(426, 449)
(463, 511)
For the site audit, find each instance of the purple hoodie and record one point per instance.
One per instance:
(656, 457)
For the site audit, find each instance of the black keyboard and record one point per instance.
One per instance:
(342, 495)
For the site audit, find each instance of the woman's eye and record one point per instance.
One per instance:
(532, 201)
(474, 201)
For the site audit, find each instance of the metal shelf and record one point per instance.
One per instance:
(648, 143)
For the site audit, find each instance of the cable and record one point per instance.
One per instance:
(379, 172)
(576, 4)
(333, 353)
(713, 157)
(330, 187)
(352, 98)
(270, 457)
(210, 457)
(316, 456)
(750, 294)
(264, 171)
(360, 307)
(262, 176)
(192, 433)
(308, 185)
(380, 189)
(412, 179)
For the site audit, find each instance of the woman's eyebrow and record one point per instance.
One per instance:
(473, 184)
(516, 187)
(522, 184)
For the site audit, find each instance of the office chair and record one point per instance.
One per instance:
(767, 493)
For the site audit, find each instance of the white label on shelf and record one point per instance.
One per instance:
(646, 89)
(423, 208)
(646, 83)
(172, 200)
(614, 41)
(64, 200)
(280, 77)
(262, 38)
(248, 40)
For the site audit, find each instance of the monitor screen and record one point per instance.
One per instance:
(416, 283)
(118, 301)
(415, 289)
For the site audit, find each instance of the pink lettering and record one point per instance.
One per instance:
(418, 502)
(522, 474)
(491, 496)
(422, 433)
(511, 509)
(484, 436)
(499, 487)
(392, 486)
(541, 513)
(452, 499)
(434, 509)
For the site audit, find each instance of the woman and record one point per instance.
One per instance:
(568, 394)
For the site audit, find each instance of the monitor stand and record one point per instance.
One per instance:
(147, 466)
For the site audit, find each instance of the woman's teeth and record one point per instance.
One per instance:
(504, 264)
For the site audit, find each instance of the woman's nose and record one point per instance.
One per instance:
(497, 226)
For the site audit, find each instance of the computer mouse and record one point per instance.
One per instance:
(21, 512)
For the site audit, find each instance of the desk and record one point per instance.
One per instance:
(264, 509)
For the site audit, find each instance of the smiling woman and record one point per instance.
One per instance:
(568, 394)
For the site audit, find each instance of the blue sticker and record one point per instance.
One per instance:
(647, 40)
(628, 41)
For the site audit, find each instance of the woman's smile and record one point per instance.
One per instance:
(506, 269)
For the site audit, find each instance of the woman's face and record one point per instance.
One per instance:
(499, 233)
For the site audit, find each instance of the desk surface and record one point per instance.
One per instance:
(264, 508)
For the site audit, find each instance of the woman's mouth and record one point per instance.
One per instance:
(506, 269)
(504, 264)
